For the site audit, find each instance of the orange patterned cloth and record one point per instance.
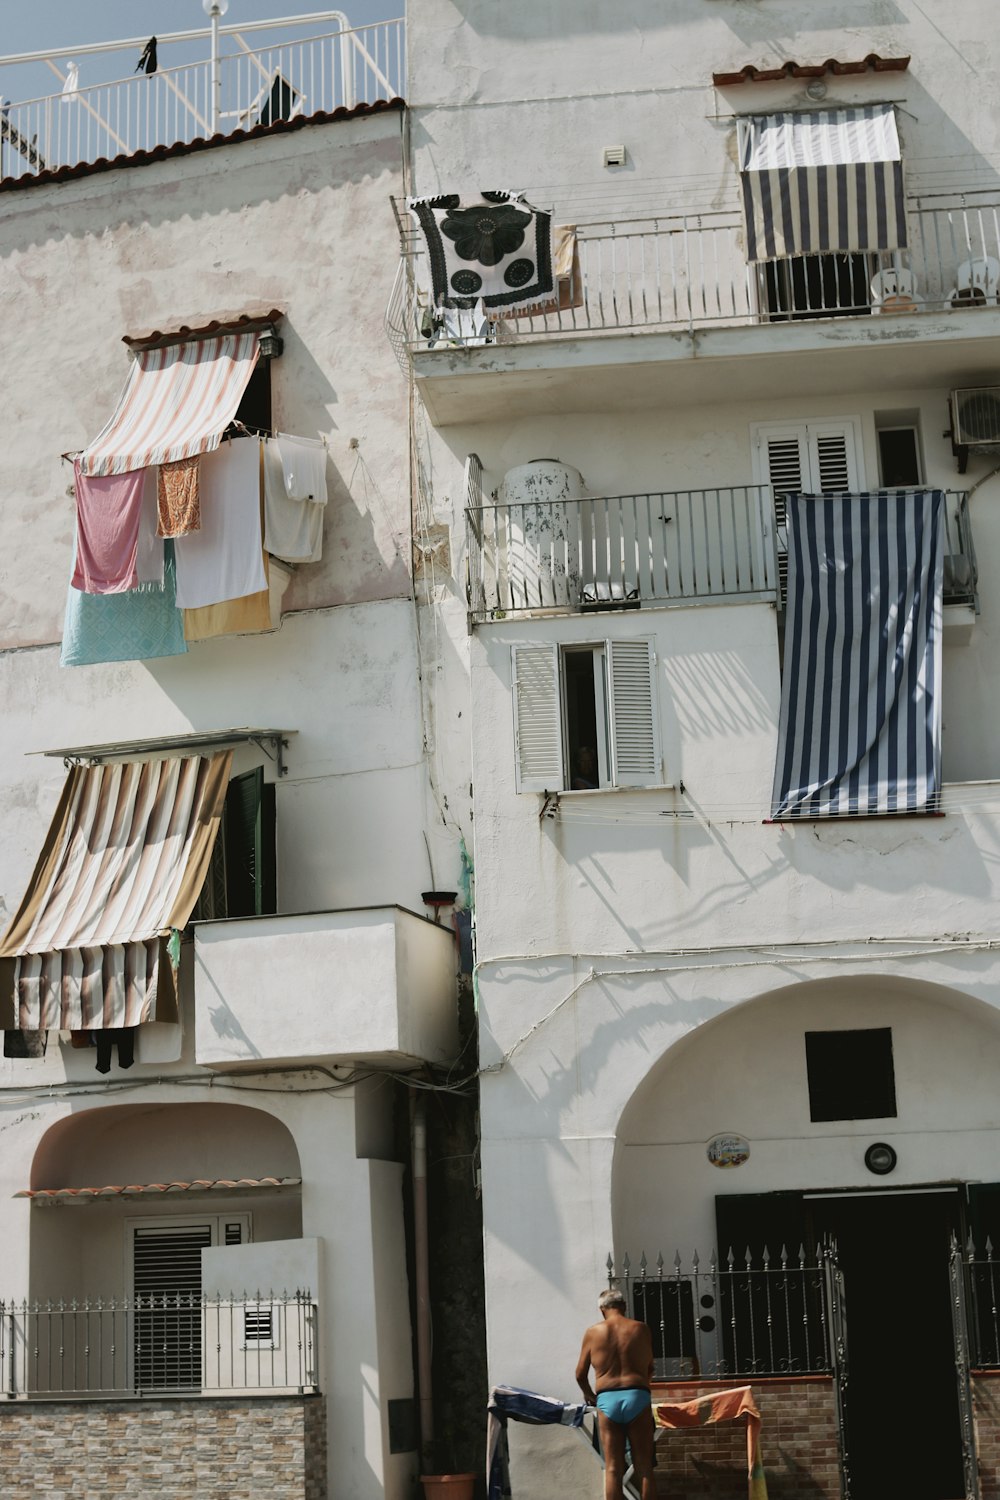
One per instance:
(178, 503)
(730, 1405)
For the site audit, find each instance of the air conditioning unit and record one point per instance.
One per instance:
(975, 417)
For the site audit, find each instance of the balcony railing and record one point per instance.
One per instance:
(98, 113)
(664, 548)
(682, 272)
(178, 1344)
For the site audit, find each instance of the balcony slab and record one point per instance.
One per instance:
(623, 372)
(374, 985)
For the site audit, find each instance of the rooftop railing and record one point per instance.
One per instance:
(697, 546)
(688, 271)
(183, 1344)
(103, 109)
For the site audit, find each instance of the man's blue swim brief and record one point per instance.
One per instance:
(624, 1406)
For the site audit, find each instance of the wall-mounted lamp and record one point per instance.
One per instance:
(270, 343)
(880, 1159)
(816, 89)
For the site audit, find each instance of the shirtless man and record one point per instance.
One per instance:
(620, 1350)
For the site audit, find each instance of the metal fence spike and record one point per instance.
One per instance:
(659, 1261)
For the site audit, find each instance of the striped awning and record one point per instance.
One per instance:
(159, 1189)
(860, 728)
(121, 868)
(815, 183)
(177, 402)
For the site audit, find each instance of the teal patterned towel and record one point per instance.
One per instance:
(134, 626)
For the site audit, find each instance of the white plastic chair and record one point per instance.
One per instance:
(895, 291)
(977, 282)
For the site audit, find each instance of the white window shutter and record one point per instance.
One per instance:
(635, 737)
(835, 457)
(538, 736)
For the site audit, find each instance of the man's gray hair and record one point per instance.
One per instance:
(612, 1298)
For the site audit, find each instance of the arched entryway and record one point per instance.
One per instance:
(794, 1088)
(145, 1222)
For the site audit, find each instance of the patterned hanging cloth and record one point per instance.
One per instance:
(493, 248)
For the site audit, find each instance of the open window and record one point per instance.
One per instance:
(585, 716)
(241, 880)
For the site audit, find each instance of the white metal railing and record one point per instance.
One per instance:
(243, 86)
(689, 271)
(183, 1343)
(655, 549)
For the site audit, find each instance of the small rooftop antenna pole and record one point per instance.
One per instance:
(214, 9)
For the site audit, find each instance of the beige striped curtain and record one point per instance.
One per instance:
(177, 402)
(123, 863)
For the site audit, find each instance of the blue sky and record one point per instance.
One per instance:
(38, 24)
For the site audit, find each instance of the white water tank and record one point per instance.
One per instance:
(540, 503)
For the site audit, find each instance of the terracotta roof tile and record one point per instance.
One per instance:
(872, 63)
(137, 1189)
(199, 326)
(186, 148)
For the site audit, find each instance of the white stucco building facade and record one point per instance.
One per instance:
(284, 1073)
(655, 960)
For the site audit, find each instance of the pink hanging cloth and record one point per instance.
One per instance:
(108, 511)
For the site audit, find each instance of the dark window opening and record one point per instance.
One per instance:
(241, 879)
(255, 407)
(668, 1308)
(583, 732)
(898, 458)
(851, 1074)
(818, 286)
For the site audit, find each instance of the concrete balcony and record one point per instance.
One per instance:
(666, 310)
(374, 985)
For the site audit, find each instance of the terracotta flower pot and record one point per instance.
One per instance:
(449, 1486)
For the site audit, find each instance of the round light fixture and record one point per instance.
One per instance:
(880, 1158)
(215, 7)
(816, 89)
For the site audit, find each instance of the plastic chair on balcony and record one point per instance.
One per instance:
(895, 291)
(977, 283)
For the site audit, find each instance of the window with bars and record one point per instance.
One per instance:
(805, 458)
(585, 716)
(167, 1325)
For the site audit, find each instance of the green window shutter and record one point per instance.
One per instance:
(249, 835)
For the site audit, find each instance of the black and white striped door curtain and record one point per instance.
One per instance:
(820, 182)
(860, 729)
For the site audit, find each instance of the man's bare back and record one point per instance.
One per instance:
(620, 1352)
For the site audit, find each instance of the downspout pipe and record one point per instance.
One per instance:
(418, 1122)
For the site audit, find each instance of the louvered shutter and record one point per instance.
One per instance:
(805, 458)
(167, 1328)
(833, 457)
(538, 737)
(635, 740)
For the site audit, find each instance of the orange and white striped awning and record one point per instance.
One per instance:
(122, 866)
(159, 1189)
(177, 402)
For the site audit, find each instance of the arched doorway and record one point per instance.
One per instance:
(808, 1079)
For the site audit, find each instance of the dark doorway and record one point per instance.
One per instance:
(893, 1252)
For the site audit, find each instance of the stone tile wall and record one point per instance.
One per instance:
(273, 1447)
(798, 1444)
